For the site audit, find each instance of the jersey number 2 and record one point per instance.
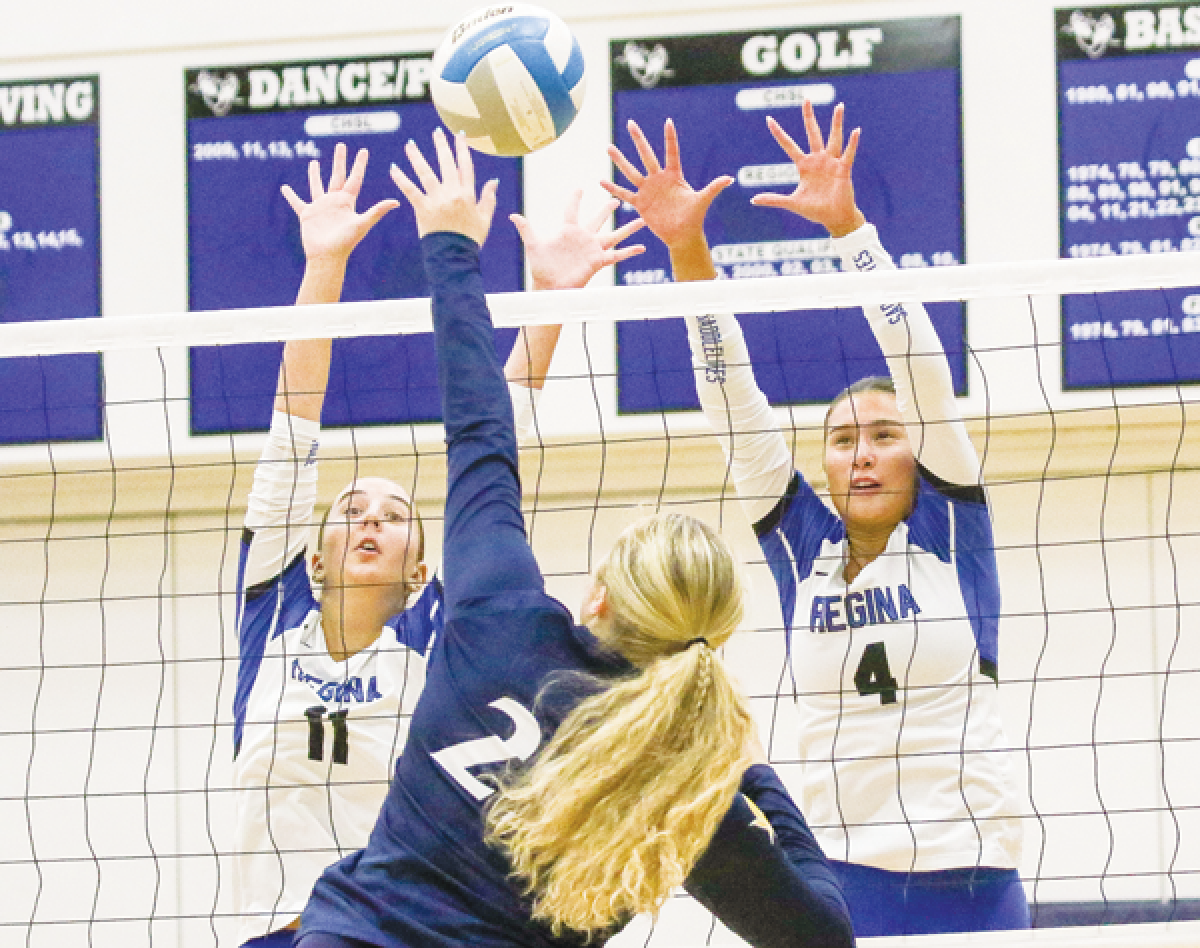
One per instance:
(873, 676)
(526, 736)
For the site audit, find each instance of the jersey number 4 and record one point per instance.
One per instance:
(873, 676)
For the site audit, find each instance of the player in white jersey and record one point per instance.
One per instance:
(326, 683)
(891, 599)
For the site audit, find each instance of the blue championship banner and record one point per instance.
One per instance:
(251, 129)
(1129, 169)
(900, 81)
(50, 252)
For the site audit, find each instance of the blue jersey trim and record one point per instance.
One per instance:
(791, 537)
(949, 521)
(276, 605)
(418, 626)
(954, 524)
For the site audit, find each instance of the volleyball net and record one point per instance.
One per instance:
(116, 795)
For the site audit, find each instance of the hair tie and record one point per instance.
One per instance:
(700, 640)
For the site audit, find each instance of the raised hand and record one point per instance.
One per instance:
(825, 194)
(571, 257)
(330, 228)
(671, 208)
(447, 203)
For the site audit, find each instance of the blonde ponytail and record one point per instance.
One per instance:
(627, 794)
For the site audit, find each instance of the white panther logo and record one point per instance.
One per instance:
(1093, 35)
(218, 92)
(647, 66)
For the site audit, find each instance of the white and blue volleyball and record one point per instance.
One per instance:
(510, 77)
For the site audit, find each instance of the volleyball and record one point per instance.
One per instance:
(510, 77)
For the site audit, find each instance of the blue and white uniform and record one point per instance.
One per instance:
(314, 739)
(899, 719)
(427, 879)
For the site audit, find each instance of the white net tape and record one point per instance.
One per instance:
(780, 294)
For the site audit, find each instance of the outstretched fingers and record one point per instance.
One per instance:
(337, 176)
(618, 192)
(354, 183)
(524, 230)
(372, 215)
(315, 188)
(835, 131)
(671, 147)
(622, 233)
(709, 192)
(632, 175)
(428, 180)
(406, 185)
(487, 203)
(292, 198)
(598, 219)
(645, 152)
(816, 141)
(771, 199)
(466, 164)
(621, 254)
(786, 142)
(851, 149)
(447, 166)
(571, 211)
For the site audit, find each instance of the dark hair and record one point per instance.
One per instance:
(872, 383)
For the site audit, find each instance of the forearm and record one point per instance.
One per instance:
(765, 887)
(918, 367)
(529, 361)
(526, 369)
(280, 508)
(759, 460)
(304, 371)
(485, 549)
(691, 260)
(734, 405)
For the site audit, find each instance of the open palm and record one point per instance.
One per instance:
(330, 227)
(825, 192)
(569, 258)
(672, 209)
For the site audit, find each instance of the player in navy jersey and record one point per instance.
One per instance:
(325, 685)
(559, 777)
(891, 599)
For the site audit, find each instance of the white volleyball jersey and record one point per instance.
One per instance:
(895, 678)
(902, 749)
(315, 740)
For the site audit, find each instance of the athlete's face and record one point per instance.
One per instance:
(371, 538)
(869, 462)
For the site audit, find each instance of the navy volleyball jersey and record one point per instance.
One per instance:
(427, 878)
